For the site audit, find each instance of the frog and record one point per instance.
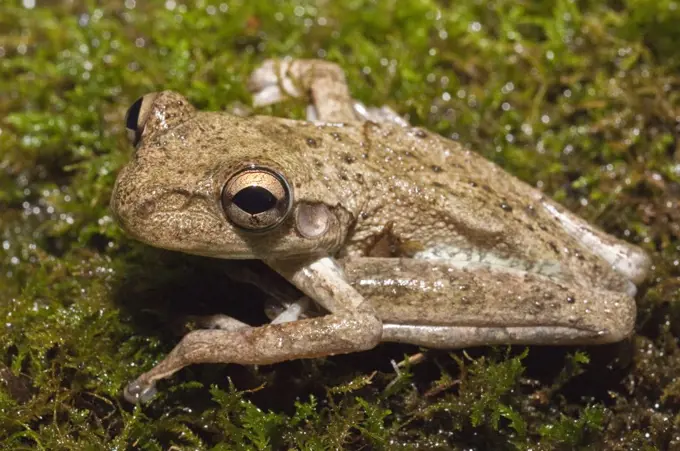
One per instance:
(390, 232)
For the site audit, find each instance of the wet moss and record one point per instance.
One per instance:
(579, 98)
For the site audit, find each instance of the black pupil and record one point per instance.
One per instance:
(133, 114)
(254, 200)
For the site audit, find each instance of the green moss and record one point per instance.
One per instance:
(579, 98)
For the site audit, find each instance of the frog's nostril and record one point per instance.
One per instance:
(146, 208)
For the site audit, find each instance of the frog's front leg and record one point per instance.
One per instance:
(278, 311)
(352, 326)
(285, 303)
(277, 79)
(283, 312)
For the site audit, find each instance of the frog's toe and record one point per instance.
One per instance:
(270, 83)
(136, 392)
(288, 312)
(268, 96)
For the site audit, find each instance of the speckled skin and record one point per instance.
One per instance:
(428, 189)
(429, 233)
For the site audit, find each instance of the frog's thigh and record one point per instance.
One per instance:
(448, 304)
(327, 335)
(276, 80)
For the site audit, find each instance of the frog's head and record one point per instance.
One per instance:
(214, 184)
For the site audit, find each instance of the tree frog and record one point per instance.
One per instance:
(396, 233)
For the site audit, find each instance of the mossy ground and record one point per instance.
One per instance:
(580, 98)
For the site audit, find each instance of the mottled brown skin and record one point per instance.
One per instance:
(393, 194)
(399, 288)
(432, 190)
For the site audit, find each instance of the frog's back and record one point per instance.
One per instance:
(437, 199)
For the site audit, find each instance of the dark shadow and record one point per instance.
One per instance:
(161, 288)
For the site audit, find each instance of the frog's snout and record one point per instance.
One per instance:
(130, 205)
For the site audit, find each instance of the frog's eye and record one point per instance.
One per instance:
(256, 199)
(136, 116)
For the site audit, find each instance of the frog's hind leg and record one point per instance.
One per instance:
(459, 337)
(324, 82)
(625, 258)
(453, 304)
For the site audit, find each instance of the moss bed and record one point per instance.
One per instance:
(579, 98)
